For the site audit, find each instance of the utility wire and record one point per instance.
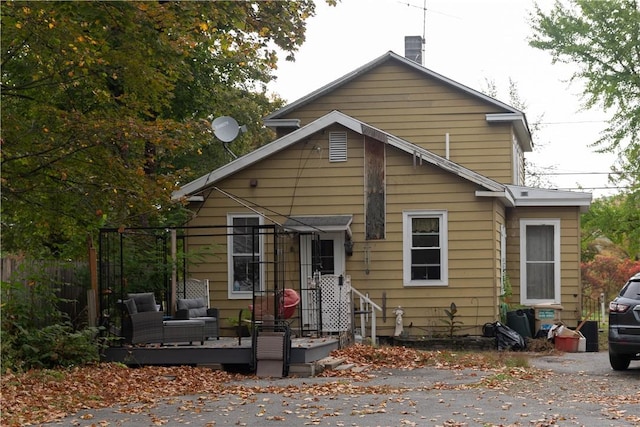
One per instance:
(579, 173)
(573, 122)
(254, 208)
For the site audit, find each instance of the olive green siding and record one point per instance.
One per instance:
(421, 110)
(300, 180)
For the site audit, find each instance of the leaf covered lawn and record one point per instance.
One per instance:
(40, 396)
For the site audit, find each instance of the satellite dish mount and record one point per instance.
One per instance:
(226, 129)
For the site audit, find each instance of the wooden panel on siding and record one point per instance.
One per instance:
(375, 200)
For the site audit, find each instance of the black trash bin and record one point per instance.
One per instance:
(590, 332)
(519, 322)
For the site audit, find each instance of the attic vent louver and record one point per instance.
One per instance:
(337, 146)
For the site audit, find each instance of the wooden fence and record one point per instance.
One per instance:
(68, 280)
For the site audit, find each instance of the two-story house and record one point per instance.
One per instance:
(407, 183)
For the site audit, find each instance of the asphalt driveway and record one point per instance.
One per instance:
(578, 389)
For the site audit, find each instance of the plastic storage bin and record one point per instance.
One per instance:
(567, 344)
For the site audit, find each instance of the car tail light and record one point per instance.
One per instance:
(615, 307)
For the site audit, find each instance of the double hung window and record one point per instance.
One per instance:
(244, 255)
(539, 261)
(425, 248)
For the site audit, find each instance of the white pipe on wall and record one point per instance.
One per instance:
(446, 144)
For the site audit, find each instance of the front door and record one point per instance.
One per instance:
(319, 253)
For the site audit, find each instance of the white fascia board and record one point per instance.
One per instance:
(282, 123)
(267, 150)
(529, 196)
(519, 123)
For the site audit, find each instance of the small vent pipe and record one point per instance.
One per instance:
(446, 145)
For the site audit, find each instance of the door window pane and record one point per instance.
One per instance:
(322, 252)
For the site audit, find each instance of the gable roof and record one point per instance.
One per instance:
(335, 117)
(510, 114)
(512, 195)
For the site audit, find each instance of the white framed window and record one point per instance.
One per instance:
(244, 255)
(425, 258)
(539, 261)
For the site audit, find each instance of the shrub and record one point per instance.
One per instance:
(34, 333)
(49, 347)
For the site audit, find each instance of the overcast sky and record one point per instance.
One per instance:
(470, 42)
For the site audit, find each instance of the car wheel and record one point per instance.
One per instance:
(619, 362)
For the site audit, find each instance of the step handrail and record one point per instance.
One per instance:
(375, 306)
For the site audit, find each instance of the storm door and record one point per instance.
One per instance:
(322, 259)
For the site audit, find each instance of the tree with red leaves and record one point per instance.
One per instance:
(607, 274)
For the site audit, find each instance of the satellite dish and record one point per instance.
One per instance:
(225, 128)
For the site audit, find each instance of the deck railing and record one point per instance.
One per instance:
(367, 311)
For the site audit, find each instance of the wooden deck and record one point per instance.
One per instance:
(226, 352)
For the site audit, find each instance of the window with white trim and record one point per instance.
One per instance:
(539, 261)
(245, 250)
(425, 248)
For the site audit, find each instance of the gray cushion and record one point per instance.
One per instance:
(197, 306)
(144, 301)
(131, 306)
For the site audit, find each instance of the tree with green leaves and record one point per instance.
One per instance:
(603, 39)
(106, 107)
(617, 219)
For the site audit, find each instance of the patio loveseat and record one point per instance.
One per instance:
(144, 323)
(197, 309)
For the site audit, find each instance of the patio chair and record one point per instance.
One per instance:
(196, 309)
(142, 322)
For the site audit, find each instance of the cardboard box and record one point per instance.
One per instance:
(546, 315)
